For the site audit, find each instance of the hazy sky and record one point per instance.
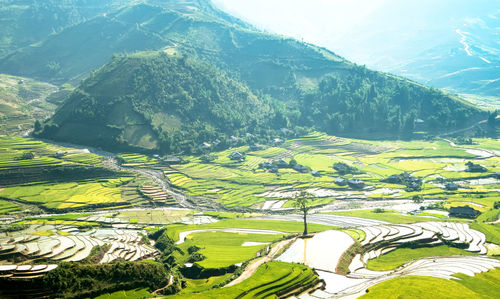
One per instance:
(315, 21)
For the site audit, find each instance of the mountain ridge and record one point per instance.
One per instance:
(306, 87)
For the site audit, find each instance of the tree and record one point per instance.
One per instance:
(38, 126)
(492, 119)
(492, 124)
(418, 199)
(302, 204)
(27, 156)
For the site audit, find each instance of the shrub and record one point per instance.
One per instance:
(196, 257)
(193, 249)
(165, 244)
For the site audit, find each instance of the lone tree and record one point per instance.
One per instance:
(302, 204)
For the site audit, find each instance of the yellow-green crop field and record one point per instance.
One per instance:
(66, 195)
(270, 278)
(482, 285)
(28, 180)
(223, 249)
(7, 207)
(244, 184)
(45, 155)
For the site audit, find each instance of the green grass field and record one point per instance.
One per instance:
(284, 226)
(482, 285)
(67, 195)
(269, 279)
(242, 184)
(223, 249)
(401, 256)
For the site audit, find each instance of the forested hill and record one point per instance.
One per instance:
(299, 86)
(63, 40)
(154, 101)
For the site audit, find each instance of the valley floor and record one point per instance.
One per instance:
(229, 217)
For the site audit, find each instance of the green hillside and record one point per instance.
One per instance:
(58, 41)
(22, 101)
(302, 86)
(152, 100)
(25, 22)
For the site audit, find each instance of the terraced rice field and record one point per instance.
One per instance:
(25, 271)
(324, 219)
(156, 194)
(137, 293)
(271, 279)
(378, 240)
(69, 244)
(36, 180)
(481, 285)
(370, 236)
(8, 207)
(245, 184)
(392, 259)
(82, 157)
(440, 267)
(44, 154)
(22, 104)
(160, 216)
(137, 160)
(67, 195)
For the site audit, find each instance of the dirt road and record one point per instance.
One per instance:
(255, 264)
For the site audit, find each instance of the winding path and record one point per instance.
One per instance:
(255, 264)
(464, 129)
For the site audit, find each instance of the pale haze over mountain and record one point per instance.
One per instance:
(453, 45)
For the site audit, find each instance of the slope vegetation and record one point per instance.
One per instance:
(154, 101)
(299, 86)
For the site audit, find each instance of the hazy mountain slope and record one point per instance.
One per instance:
(77, 50)
(22, 101)
(298, 86)
(306, 87)
(57, 49)
(446, 44)
(24, 22)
